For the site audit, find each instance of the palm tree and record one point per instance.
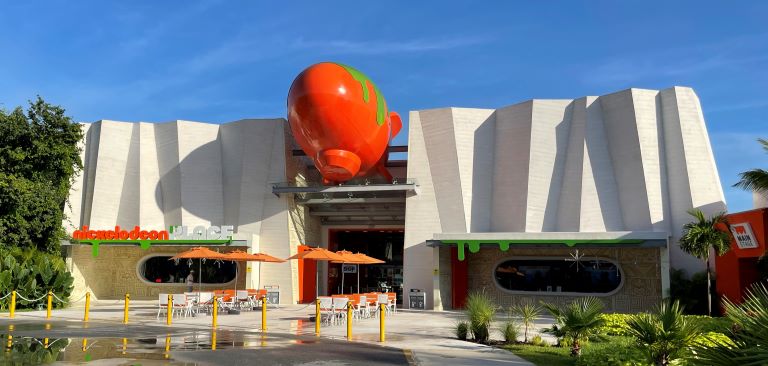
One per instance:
(748, 345)
(755, 180)
(665, 335)
(576, 321)
(528, 314)
(703, 235)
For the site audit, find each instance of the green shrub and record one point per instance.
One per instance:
(510, 331)
(711, 339)
(576, 321)
(462, 329)
(615, 351)
(537, 341)
(615, 324)
(32, 274)
(480, 310)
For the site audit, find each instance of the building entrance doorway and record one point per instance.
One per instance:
(384, 244)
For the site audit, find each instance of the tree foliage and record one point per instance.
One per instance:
(39, 158)
(703, 235)
(755, 180)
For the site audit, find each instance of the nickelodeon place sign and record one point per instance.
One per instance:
(178, 235)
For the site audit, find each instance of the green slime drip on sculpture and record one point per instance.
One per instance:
(381, 106)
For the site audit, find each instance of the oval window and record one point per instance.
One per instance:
(160, 269)
(590, 276)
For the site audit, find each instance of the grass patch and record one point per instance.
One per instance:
(543, 355)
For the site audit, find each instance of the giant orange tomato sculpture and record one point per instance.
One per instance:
(340, 119)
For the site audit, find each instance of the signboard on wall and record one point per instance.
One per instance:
(744, 236)
(348, 268)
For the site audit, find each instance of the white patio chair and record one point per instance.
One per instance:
(363, 309)
(181, 304)
(244, 301)
(205, 302)
(162, 305)
(340, 308)
(326, 309)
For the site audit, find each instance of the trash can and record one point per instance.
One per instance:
(417, 299)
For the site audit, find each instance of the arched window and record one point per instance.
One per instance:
(555, 275)
(160, 269)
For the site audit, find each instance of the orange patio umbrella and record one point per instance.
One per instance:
(241, 256)
(364, 259)
(349, 258)
(201, 253)
(317, 254)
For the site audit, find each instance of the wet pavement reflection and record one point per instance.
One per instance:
(66, 343)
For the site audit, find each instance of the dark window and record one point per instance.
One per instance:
(161, 269)
(558, 275)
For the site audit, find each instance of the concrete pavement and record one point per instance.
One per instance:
(413, 337)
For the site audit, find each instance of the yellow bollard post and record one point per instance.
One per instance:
(125, 345)
(264, 314)
(213, 340)
(317, 317)
(349, 321)
(125, 312)
(87, 305)
(45, 343)
(85, 344)
(382, 315)
(50, 305)
(12, 310)
(215, 311)
(169, 310)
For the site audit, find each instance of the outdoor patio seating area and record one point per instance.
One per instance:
(333, 309)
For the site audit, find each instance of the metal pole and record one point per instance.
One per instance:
(317, 317)
(349, 321)
(13, 304)
(342, 278)
(169, 310)
(358, 278)
(125, 311)
(50, 305)
(87, 305)
(264, 314)
(213, 340)
(382, 315)
(215, 311)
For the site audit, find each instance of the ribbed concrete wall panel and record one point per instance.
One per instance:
(550, 129)
(512, 149)
(634, 160)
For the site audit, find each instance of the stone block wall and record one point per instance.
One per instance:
(112, 274)
(640, 291)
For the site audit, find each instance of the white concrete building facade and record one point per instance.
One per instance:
(611, 176)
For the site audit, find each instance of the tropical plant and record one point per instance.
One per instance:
(39, 158)
(481, 311)
(665, 334)
(748, 343)
(576, 321)
(701, 237)
(32, 274)
(755, 180)
(462, 329)
(528, 314)
(510, 331)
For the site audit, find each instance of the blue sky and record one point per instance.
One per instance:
(218, 61)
